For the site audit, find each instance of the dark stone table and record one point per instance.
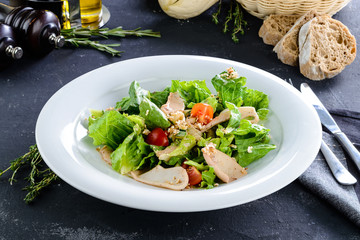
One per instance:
(63, 212)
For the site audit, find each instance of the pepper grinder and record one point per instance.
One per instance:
(38, 31)
(9, 49)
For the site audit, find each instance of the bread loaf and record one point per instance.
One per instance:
(275, 27)
(326, 47)
(287, 48)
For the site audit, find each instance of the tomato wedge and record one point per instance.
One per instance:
(194, 174)
(157, 137)
(203, 112)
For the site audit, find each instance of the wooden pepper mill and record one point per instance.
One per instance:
(9, 48)
(38, 31)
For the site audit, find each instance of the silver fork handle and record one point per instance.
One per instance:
(349, 147)
(341, 174)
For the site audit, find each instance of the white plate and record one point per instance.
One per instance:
(62, 141)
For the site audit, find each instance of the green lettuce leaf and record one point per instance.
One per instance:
(198, 166)
(234, 91)
(249, 134)
(225, 141)
(137, 120)
(191, 91)
(110, 129)
(136, 95)
(208, 178)
(153, 116)
(186, 144)
(94, 114)
(160, 98)
(229, 90)
(252, 142)
(130, 154)
(235, 117)
(246, 156)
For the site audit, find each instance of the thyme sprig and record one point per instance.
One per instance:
(40, 176)
(234, 19)
(84, 37)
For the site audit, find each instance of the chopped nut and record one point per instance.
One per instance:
(146, 131)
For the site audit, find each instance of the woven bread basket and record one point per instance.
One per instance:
(263, 8)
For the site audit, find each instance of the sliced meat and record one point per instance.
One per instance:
(164, 154)
(174, 178)
(225, 167)
(248, 113)
(105, 153)
(223, 117)
(194, 132)
(173, 104)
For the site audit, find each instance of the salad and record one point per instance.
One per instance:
(184, 136)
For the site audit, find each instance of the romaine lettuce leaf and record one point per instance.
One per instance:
(235, 117)
(110, 129)
(208, 178)
(198, 166)
(137, 120)
(225, 140)
(245, 156)
(255, 98)
(160, 98)
(234, 91)
(229, 90)
(94, 114)
(253, 133)
(136, 95)
(153, 116)
(191, 91)
(186, 144)
(251, 142)
(130, 154)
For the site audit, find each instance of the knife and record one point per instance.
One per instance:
(329, 123)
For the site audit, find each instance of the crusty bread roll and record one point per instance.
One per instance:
(287, 48)
(326, 47)
(275, 27)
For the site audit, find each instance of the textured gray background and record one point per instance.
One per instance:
(63, 212)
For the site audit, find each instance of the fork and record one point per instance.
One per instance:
(341, 174)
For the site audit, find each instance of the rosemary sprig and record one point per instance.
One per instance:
(39, 176)
(106, 32)
(234, 19)
(85, 42)
(82, 37)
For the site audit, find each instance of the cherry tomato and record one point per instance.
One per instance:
(203, 112)
(194, 174)
(157, 137)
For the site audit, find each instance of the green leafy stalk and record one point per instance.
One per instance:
(239, 23)
(85, 42)
(215, 16)
(106, 32)
(34, 188)
(82, 37)
(39, 177)
(234, 20)
(228, 18)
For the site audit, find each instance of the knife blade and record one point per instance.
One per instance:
(329, 123)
